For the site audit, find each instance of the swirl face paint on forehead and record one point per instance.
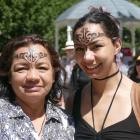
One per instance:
(85, 36)
(31, 55)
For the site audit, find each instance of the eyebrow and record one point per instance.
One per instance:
(94, 42)
(90, 43)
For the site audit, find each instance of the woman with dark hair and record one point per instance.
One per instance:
(108, 107)
(31, 90)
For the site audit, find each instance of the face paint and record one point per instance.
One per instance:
(85, 36)
(31, 55)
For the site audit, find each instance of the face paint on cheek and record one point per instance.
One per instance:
(31, 55)
(85, 36)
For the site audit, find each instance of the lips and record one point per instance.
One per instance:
(31, 88)
(90, 69)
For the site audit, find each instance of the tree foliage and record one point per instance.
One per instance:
(19, 17)
(127, 34)
(137, 2)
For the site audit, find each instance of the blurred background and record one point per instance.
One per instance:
(38, 16)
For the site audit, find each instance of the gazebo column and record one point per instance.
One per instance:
(57, 38)
(121, 29)
(133, 40)
(69, 41)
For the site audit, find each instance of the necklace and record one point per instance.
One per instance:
(108, 76)
(42, 125)
(109, 105)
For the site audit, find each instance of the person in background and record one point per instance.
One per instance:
(70, 62)
(30, 82)
(121, 65)
(108, 107)
(135, 73)
(118, 57)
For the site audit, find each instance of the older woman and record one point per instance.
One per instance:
(30, 82)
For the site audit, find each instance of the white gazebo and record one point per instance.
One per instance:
(127, 13)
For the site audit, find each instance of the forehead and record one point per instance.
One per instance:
(35, 47)
(91, 27)
(31, 53)
(88, 33)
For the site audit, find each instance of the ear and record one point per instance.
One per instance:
(117, 45)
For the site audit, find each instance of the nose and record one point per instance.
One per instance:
(89, 56)
(32, 75)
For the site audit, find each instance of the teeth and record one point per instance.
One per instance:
(91, 67)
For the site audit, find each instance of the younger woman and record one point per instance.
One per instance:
(108, 107)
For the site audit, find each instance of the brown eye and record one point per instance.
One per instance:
(43, 68)
(96, 47)
(20, 69)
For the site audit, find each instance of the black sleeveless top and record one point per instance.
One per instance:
(127, 129)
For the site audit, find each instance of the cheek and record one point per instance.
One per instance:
(48, 81)
(110, 55)
(15, 81)
(48, 77)
(17, 77)
(16, 85)
(79, 57)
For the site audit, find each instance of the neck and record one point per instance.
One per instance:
(32, 110)
(109, 76)
(104, 86)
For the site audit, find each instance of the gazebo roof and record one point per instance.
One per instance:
(121, 9)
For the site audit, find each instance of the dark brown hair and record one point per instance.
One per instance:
(109, 24)
(6, 59)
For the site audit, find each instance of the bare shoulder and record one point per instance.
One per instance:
(126, 83)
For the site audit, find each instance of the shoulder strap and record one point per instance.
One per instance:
(135, 98)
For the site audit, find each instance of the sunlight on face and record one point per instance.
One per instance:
(94, 51)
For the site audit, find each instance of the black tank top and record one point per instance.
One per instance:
(127, 129)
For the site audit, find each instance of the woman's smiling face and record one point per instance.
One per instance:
(31, 73)
(94, 51)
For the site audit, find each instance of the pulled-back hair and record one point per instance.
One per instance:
(6, 59)
(109, 24)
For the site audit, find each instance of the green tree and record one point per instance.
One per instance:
(19, 17)
(137, 2)
(127, 36)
